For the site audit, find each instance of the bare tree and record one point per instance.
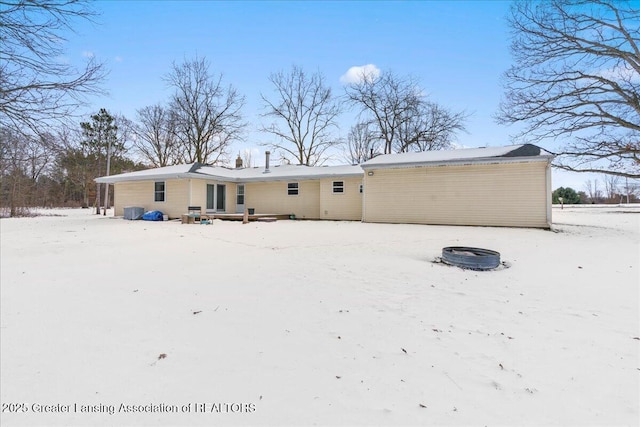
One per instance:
(402, 117)
(155, 135)
(306, 112)
(247, 158)
(362, 143)
(430, 127)
(611, 186)
(576, 76)
(24, 159)
(35, 84)
(208, 114)
(593, 191)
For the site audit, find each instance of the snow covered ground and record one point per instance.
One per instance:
(113, 322)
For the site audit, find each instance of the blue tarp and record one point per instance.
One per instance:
(152, 216)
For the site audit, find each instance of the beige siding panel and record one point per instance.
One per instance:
(272, 198)
(141, 193)
(231, 197)
(507, 194)
(341, 206)
(198, 196)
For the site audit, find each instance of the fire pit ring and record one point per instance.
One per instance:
(471, 258)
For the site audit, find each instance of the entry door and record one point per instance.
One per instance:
(216, 196)
(211, 197)
(240, 198)
(221, 197)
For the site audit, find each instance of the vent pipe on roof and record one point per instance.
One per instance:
(267, 154)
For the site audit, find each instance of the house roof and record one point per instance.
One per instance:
(459, 156)
(199, 171)
(175, 171)
(281, 172)
(510, 153)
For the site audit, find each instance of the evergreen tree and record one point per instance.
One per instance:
(100, 139)
(569, 196)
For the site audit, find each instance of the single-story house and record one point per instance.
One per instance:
(493, 186)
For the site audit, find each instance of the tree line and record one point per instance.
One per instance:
(610, 189)
(575, 78)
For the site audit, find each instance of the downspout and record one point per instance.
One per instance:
(364, 194)
(549, 193)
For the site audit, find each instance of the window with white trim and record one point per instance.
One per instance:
(338, 187)
(292, 189)
(159, 191)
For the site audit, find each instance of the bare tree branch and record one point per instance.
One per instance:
(208, 114)
(362, 143)
(35, 85)
(576, 78)
(156, 135)
(401, 116)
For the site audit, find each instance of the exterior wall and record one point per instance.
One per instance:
(198, 194)
(341, 206)
(500, 194)
(272, 198)
(141, 193)
(231, 197)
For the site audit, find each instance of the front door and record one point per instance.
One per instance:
(221, 197)
(240, 198)
(216, 196)
(211, 197)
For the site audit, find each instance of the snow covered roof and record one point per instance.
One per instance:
(175, 171)
(301, 172)
(199, 171)
(459, 156)
(281, 172)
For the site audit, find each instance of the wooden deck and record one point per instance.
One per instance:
(238, 217)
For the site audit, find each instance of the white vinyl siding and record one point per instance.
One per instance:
(143, 194)
(341, 206)
(273, 198)
(499, 194)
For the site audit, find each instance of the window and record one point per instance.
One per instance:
(240, 194)
(292, 189)
(338, 186)
(159, 191)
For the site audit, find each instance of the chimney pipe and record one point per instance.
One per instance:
(239, 162)
(267, 154)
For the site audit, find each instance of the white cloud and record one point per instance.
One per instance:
(88, 54)
(621, 72)
(358, 73)
(118, 59)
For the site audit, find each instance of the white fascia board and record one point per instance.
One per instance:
(300, 177)
(148, 177)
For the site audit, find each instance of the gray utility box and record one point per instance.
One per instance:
(133, 212)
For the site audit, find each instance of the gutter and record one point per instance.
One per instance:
(114, 179)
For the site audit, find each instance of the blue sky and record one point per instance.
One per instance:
(457, 49)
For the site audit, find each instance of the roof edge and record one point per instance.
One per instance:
(459, 162)
(114, 179)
